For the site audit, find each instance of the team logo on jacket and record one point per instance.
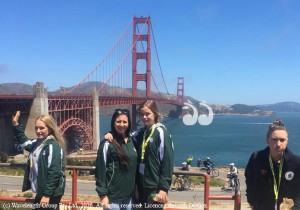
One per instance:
(289, 175)
(151, 140)
(263, 172)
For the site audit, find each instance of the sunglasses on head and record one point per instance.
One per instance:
(121, 111)
(279, 139)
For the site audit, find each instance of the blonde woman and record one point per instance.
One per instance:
(44, 173)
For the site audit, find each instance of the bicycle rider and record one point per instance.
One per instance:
(185, 167)
(232, 174)
(208, 164)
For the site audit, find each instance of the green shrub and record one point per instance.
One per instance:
(28, 195)
(3, 157)
(75, 162)
(216, 182)
(12, 171)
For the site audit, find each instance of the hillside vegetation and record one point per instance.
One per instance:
(166, 110)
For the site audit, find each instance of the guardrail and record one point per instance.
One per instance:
(74, 204)
(236, 197)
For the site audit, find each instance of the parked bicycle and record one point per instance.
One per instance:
(182, 183)
(211, 171)
(233, 183)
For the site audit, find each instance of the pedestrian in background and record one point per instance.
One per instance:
(189, 160)
(273, 173)
(45, 169)
(233, 172)
(199, 161)
(116, 164)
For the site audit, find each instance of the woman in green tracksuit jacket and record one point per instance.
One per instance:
(116, 164)
(44, 173)
(155, 157)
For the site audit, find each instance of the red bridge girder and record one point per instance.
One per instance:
(84, 131)
(72, 110)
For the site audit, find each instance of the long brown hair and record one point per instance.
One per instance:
(117, 138)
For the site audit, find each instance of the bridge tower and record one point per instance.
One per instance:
(137, 55)
(180, 90)
(180, 95)
(140, 55)
(39, 106)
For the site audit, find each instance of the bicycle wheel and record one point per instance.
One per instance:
(215, 172)
(174, 186)
(191, 185)
(237, 184)
(203, 170)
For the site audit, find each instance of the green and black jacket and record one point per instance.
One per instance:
(158, 158)
(51, 178)
(112, 178)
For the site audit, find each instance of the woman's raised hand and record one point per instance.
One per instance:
(108, 136)
(15, 118)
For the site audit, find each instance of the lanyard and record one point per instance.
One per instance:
(145, 142)
(276, 188)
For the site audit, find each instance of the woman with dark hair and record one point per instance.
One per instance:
(116, 164)
(273, 174)
(155, 158)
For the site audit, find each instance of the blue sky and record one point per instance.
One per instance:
(233, 51)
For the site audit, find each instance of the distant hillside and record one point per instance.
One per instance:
(23, 89)
(236, 109)
(16, 88)
(239, 109)
(282, 107)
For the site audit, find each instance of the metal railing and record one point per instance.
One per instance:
(207, 197)
(74, 203)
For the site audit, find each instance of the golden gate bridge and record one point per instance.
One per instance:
(127, 75)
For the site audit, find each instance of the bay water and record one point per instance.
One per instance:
(227, 139)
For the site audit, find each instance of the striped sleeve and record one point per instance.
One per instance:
(55, 168)
(100, 171)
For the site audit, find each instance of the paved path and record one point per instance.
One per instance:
(189, 198)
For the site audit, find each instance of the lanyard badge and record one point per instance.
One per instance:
(276, 187)
(146, 141)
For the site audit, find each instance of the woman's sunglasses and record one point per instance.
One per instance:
(122, 111)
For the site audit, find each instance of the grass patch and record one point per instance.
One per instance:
(215, 182)
(12, 171)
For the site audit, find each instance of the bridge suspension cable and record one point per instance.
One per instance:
(123, 60)
(104, 59)
(113, 75)
(159, 60)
